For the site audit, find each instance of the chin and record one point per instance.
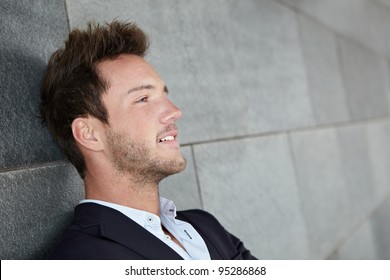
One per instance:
(170, 169)
(176, 166)
(179, 165)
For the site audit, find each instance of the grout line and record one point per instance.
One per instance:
(33, 166)
(305, 60)
(314, 127)
(298, 182)
(67, 14)
(232, 138)
(343, 70)
(197, 177)
(358, 226)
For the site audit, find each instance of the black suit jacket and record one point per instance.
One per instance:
(99, 232)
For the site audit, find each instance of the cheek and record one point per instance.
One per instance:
(139, 123)
(146, 116)
(142, 120)
(143, 127)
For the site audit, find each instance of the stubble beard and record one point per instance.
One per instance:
(131, 158)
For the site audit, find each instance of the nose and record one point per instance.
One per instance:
(171, 114)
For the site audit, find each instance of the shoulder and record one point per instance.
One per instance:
(85, 243)
(84, 238)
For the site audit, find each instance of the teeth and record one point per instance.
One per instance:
(168, 138)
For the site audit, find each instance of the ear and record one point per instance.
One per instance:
(86, 133)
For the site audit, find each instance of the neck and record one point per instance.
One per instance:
(126, 190)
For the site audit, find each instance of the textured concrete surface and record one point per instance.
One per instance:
(262, 207)
(357, 172)
(381, 229)
(272, 75)
(365, 81)
(365, 21)
(371, 240)
(378, 139)
(361, 246)
(328, 96)
(36, 204)
(30, 32)
(386, 3)
(323, 188)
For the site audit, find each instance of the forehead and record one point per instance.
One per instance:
(127, 70)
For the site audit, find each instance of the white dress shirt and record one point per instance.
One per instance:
(189, 238)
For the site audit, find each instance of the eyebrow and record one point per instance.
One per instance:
(146, 87)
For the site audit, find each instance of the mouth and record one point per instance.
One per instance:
(166, 138)
(168, 135)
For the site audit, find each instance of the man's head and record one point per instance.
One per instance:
(88, 105)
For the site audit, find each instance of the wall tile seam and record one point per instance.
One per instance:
(343, 74)
(33, 166)
(197, 177)
(329, 28)
(67, 14)
(305, 62)
(311, 18)
(340, 61)
(358, 226)
(362, 46)
(299, 188)
(336, 125)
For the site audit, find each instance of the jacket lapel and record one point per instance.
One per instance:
(119, 228)
(215, 253)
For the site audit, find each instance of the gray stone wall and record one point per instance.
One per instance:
(285, 123)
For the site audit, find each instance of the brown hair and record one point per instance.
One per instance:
(72, 88)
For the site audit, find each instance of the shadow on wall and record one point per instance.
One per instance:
(23, 140)
(36, 199)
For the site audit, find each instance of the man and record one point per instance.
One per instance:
(109, 112)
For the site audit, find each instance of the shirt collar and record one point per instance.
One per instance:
(167, 208)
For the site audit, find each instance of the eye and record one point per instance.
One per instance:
(142, 99)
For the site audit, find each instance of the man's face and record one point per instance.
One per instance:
(141, 138)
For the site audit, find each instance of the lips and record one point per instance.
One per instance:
(168, 134)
